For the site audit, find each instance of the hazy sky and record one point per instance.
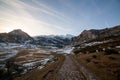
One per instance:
(45, 17)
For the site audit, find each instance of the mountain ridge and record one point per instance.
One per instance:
(19, 36)
(97, 40)
(53, 40)
(88, 35)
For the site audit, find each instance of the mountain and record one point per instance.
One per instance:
(88, 35)
(19, 36)
(53, 40)
(15, 36)
(97, 40)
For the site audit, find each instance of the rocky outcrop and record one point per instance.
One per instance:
(97, 40)
(88, 35)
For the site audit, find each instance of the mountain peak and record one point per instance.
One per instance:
(15, 36)
(17, 31)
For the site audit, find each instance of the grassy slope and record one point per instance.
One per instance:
(49, 71)
(106, 67)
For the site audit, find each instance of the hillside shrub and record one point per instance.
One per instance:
(94, 56)
(111, 51)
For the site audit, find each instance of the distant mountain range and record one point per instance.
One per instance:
(53, 40)
(97, 40)
(19, 36)
(87, 37)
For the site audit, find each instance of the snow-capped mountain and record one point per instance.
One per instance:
(53, 40)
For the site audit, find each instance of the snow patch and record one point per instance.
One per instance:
(95, 43)
(117, 47)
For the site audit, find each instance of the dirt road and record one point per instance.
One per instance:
(69, 71)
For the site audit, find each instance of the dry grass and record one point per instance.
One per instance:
(99, 47)
(49, 72)
(27, 55)
(106, 67)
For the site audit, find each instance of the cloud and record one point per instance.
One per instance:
(42, 8)
(14, 14)
(50, 11)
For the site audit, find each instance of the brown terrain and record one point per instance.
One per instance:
(47, 73)
(95, 56)
(65, 67)
(104, 66)
(69, 71)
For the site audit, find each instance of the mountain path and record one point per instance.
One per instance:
(69, 71)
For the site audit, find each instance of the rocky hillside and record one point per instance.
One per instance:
(97, 40)
(15, 36)
(88, 35)
(52, 40)
(19, 36)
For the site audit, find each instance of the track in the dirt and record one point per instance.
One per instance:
(69, 71)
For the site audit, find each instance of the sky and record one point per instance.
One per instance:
(58, 17)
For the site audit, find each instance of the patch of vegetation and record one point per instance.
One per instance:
(99, 64)
(112, 58)
(11, 70)
(49, 72)
(88, 60)
(98, 47)
(94, 56)
(104, 38)
(111, 51)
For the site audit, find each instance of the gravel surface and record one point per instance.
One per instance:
(69, 71)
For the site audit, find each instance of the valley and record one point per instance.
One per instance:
(92, 55)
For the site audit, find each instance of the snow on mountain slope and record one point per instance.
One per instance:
(53, 40)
